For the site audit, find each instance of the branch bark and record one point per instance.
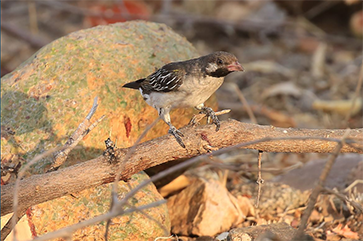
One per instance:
(40, 188)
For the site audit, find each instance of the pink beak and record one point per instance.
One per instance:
(235, 67)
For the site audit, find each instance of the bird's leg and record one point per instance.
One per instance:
(164, 114)
(177, 134)
(210, 115)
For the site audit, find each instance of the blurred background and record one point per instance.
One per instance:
(302, 61)
(283, 31)
(302, 58)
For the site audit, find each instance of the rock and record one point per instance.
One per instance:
(204, 208)
(59, 213)
(276, 231)
(305, 178)
(48, 96)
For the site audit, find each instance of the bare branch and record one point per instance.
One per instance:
(318, 188)
(65, 232)
(259, 181)
(40, 188)
(244, 102)
(357, 93)
(93, 109)
(6, 230)
(83, 129)
(32, 40)
(356, 205)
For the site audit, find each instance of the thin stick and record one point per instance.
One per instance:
(33, 19)
(129, 153)
(259, 181)
(353, 184)
(6, 230)
(34, 41)
(245, 103)
(64, 150)
(65, 232)
(17, 182)
(356, 205)
(319, 187)
(116, 211)
(356, 95)
(114, 199)
(8, 190)
(83, 129)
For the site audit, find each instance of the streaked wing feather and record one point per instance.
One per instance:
(165, 80)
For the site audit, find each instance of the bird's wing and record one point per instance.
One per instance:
(167, 78)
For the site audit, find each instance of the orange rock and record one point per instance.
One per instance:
(48, 96)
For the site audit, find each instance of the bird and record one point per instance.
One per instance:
(186, 83)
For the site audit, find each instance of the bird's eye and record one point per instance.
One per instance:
(219, 61)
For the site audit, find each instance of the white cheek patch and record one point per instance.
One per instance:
(145, 96)
(211, 67)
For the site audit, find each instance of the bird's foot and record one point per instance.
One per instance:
(211, 115)
(194, 121)
(177, 134)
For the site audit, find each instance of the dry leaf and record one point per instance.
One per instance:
(174, 186)
(265, 66)
(341, 107)
(284, 88)
(346, 232)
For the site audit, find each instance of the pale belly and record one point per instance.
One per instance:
(189, 95)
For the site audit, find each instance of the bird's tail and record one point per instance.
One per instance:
(134, 85)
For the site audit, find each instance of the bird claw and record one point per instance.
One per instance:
(211, 115)
(177, 134)
(193, 121)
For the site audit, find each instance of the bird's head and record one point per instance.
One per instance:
(220, 64)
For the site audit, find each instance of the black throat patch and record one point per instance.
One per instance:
(221, 72)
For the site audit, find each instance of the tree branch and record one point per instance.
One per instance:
(83, 129)
(40, 188)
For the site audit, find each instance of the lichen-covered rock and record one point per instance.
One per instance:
(48, 96)
(62, 212)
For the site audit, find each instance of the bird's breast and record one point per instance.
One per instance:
(198, 90)
(191, 93)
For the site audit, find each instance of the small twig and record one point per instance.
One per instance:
(353, 184)
(17, 183)
(108, 223)
(247, 25)
(65, 232)
(319, 187)
(320, 8)
(83, 129)
(33, 19)
(318, 64)
(5, 231)
(114, 199)
(166, 232)
(128, 154)
(250, 136)
(167, 238)
(244, 102)
(71, 143)
(356, 205)
(32, 40)
(198, 117)
(357, 93)
(259, 181)
(93, 109)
